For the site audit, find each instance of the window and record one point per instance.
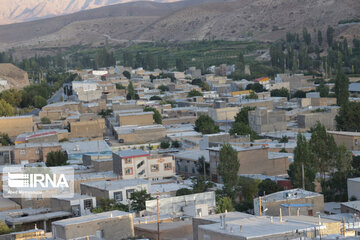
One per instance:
(118, 196)
(167, 166)
(186, 169)
(88, 203)
(22, 152)
(129, 192)
(356, 142)
(155, 168)
(193, 170)
(37, 151)
(127, 160)
(129, 171)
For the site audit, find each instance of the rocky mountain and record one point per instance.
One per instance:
(264, 20)
(27, 10)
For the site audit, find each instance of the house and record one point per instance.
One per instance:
(326, 116)
(353, 185)
(120, 190)
(135, 118)
(262, 120)
(78, 205)
(88, 129)
(48, 135)
(290, 202)
(194, 205)
(34, 152)
(253, 160)
(134, 134)
(257, 228)
(130, 164)
(186, 162)
(76, 150)
(111, 225)
(351, 140)
(354, 89)
(16, 125)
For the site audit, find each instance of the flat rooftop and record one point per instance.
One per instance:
(353, 134)
(354, 205)
(116, 184)
(289, 195)
(258, 227)
(91, 218)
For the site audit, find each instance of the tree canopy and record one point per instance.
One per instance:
(58, 158)
(228, 166)
(206, 125)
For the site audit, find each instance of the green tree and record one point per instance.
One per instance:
(252, 95)
(12, 96)
(45, 120)
(138, 200)
(200, 184)
(306, 36)
(180, 66)
(241, 129)
(128, 59)
(39, 102)
(243, 115)
(302, 156)
(268, 186)
(355, 163)
(283, 92)
(119, 86)
(284, 139)
(6, 109)
(348, 118)
(5, 139)
(163, 88)
(175, 144)
(183, 191)
(164, 144)
(228, 167)
(131, 95)
(157, 116)
(105, 113)
(324, 148)
(224, 204)
(323, 89)
(152, 98)
(4, 229)
(58, 158)
(194, 93)
(341, 88)
(201, 164)
(206, 125)
(127, 74)
(330, 35)
(320, 38)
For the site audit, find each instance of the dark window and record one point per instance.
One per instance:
(88, 203)
(118, 196)
(129, 192)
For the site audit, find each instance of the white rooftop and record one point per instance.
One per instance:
(92, 217)
(289, 194)
(116, 184)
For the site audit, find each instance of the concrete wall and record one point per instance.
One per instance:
(33, 154)
(353, 186)
(352, 143)
(88, 129)
(308, 120)
(140, 120)
(140, 136)
(227, 113)
(253, 161)
(274, 207)
(14, 126)
(113, 228)
(261, 120)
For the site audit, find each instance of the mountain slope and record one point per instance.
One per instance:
(264, 20)
(27, 10)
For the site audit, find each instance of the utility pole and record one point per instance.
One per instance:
(157, 213)
(303, 176)
(260, 206)
(204, 170)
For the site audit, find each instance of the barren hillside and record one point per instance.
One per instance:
(264, 20)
